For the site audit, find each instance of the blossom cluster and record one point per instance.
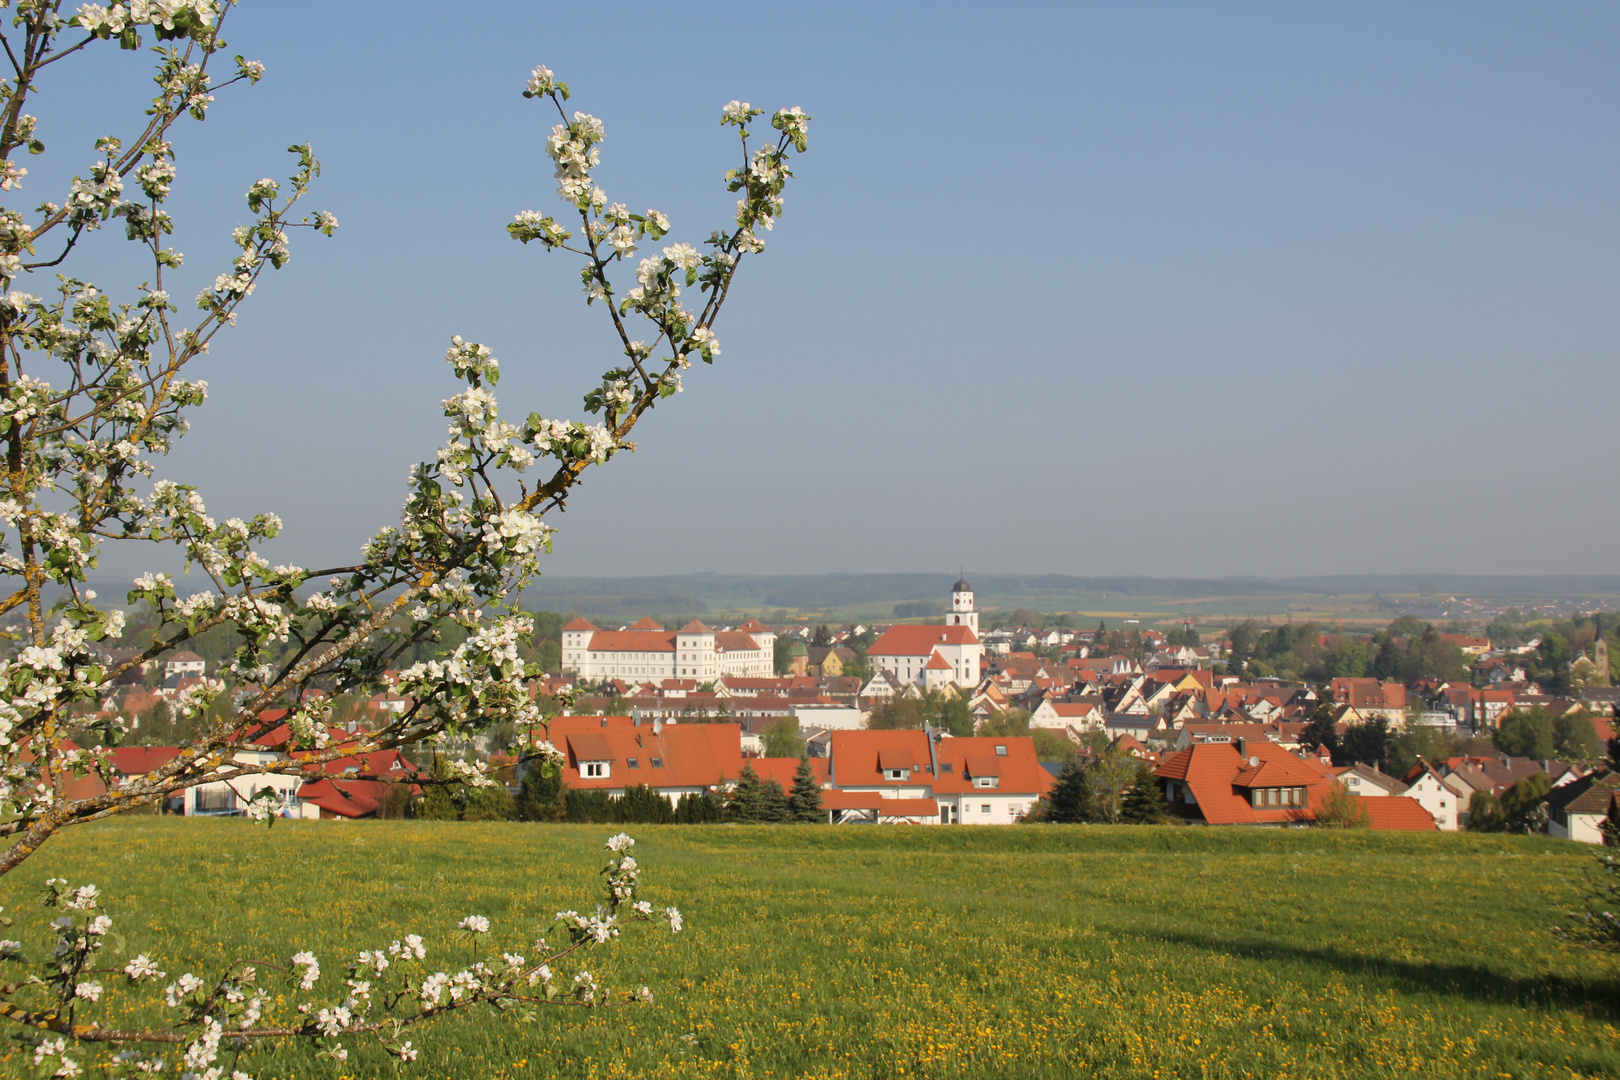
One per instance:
(383, 991)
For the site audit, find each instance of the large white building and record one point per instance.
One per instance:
(648, 651)
(933, 656)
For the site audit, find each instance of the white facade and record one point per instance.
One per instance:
(1587, 828)
(648, 651)
(232, 795)
(1438, 798)
(982, 808)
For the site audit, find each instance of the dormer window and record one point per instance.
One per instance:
(895, 774)
(987, 781)
(593, 768)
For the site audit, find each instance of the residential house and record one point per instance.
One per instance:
(1577, 810)
(1445, 800)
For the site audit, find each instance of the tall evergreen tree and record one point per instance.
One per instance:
(1069, 802)
(804, 801)
(746, 803)
(776, 803)
(1144, 800)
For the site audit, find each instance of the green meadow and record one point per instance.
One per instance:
(888, 952)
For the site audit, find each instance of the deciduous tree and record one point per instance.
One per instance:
(96, 383)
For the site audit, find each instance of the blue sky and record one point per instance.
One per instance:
(1176, 289)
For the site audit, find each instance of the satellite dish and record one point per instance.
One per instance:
(1254, 761)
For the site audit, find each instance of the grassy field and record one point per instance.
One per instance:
(818, 952)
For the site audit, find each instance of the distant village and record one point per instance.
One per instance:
(948, 722)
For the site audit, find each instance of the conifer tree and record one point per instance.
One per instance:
(775, 803)
(1144, 801)
(804, 801)
(1069, 802)
(746, 803)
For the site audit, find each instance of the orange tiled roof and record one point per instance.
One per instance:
(1398, 812)
(1220, 778)
(659, 640)
(687, 755)
(920, 640)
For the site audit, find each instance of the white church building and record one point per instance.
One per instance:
(647, 651)
(934, 656)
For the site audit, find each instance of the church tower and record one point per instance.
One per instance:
(962, 613)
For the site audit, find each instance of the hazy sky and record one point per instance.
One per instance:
(1088, 288)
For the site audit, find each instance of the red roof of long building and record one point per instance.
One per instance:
(659, 640)
(859, 759)
(920, 640)
(677, 755)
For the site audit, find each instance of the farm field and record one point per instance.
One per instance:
(851, 952)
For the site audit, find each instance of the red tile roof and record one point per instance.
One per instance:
(782, 770)
(735, 641)
(581, 624)
(920, 640)
(659, 640)
(646, 623)
(1220, 779)
(688, 755)
(937, 662)
(1397, 813)
(695, 627)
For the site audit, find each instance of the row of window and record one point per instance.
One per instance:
(602, 768)
(1271, 796)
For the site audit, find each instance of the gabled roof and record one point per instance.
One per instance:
(140, 760)
(646, 623)
(1399, 813)
(937, 662)
(1019, 770)
(1212, 770)
(735, 641)
(754, 626)
(695, 627)
(1588, 795)
(686, 755)
(581, 624)
(783, 770)
(1075, 709)
(659, 640)
(896, 758)
(588, 746)
(920, 640)
(981, 765)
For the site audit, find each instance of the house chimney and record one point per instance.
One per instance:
(1242, 747)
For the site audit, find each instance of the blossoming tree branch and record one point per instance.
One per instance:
(94, 389)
